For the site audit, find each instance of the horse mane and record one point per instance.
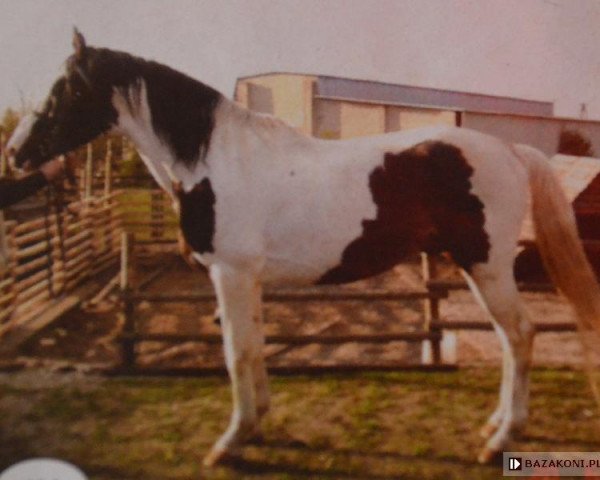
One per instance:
(182, 108)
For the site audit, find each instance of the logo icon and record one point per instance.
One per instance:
(515, 464)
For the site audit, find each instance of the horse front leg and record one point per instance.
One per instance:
(236, 295)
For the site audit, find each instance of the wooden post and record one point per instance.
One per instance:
(3, 156)
(128, 342)
(431, 307)
(57, 269)
(11, 260)
(157, 215)
(3, 245)
(89, 173)
(108, 169)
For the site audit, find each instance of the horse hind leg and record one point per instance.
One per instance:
(497, 292)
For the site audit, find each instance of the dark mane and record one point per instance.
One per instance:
(182, 108)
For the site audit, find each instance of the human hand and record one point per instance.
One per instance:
(52, 169)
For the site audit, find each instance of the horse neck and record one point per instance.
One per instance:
(238, 135)
(135, 122)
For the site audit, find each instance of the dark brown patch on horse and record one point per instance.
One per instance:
(197, 216)
(424, 203)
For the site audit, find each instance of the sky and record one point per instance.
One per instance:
(535, 49)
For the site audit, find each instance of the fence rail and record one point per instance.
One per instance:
(51, 256)
(430, 334)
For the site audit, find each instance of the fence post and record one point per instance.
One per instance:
(89, 172)
(128, 340)
(431, 308)
(11, 263)
(3, 156)
(157, 215)
(58, 274)
(5, 268)
(107, 168)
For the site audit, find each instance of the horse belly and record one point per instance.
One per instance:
(417, 199)
(425, 203)
(307, 233)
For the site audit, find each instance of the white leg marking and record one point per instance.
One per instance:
(236, 298)
(498, 293)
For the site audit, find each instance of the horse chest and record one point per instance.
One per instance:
(197, 216)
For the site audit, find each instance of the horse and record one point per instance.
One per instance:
(259, 202)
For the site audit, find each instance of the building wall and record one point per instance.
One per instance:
(260, 98)
(327, 119)
(342, 119)
(293, 98)
(359, 119)
(288, 97)
(421, 117)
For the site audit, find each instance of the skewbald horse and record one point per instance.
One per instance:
(259, 202)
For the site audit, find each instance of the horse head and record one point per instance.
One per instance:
(77, 110)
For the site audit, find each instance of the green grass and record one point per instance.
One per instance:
(406, 425)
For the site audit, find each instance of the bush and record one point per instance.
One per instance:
(572, 142)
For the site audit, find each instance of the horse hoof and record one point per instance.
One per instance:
(489, 455)
(220, 457)
(488, 430)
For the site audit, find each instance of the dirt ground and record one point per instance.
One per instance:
(90, 336)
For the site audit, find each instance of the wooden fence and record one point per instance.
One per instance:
(132, 295)
(429, 335)
(51, 256)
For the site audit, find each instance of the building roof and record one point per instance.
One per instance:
(377, 92)
(338, 88)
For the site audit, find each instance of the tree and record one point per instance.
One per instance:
(9, 122)
(573, 142)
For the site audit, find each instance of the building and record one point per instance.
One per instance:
(332, 107)
(337, 108)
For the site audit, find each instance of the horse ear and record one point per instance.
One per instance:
(78, 44)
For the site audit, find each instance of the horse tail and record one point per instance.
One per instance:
(562, 250)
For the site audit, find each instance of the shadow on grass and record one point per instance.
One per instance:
(254, 467)
(294, 459)
(560, 441)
